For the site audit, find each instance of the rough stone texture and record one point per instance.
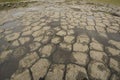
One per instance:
(46, 50)
(99, 56)
(80, 47)
(55, 72)
(69, 39)
(39, 69)
(75, 72)
(98, 71)
(12, 36)
(38, 39)
(4, 55)
(56, 40)
(60, 40)
(21, 76)
(24, 40)
(96, 46)
(113, 51)
(81, 58)
(34, 46)
(61, 33)
(114, 64)
(115, 77)
(15, 43)
(66, 46)
(115, 43)
(83, 39)
(28, 60)
(27, 33)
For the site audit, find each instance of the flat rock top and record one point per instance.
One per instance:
(60, 41)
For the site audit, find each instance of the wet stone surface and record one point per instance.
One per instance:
(59, 40)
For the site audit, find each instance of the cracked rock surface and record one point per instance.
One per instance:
(57, 40)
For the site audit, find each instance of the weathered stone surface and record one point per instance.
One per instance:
(38, 33)
(12, 36)
(98, 71)
(38, 39)
(1, 30)
(81, 58)
(75, 72)
(55, 72)
(40, 68)
(46, 50)
(83, 39)
(96, 46)
(70, 32)
(99, 56)
(21, 76)
(80, 47)
(114, 64)
(27, 33)
(34, 46)
(24, 40)
(28, 60)
(56, 40)
(115, 77)
(115, 43)
(113, 51)
(46, 39)
(66, 46)
(69, 39)
(15, 43)
(62, 33)
(35, 28)
(5, 55)
(19, 52)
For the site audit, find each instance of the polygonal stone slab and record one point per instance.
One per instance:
(99, 56)
(98, 71)
(81, 58)
(83, 39)
(4, 55)
(24, 40)
(40, 68)
(115, 43)
(21, 76)
(61, 33)
(47, 50)
(34, 46)
(115, 64)
(66, 46)
(56, 40)
(55, 72)
(75, 72)
(12, 36)
(27, 61)
(80, 47)
(96, 46)
(113, 51)
(69, 39)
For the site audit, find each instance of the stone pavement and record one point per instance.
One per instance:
(59, 41)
